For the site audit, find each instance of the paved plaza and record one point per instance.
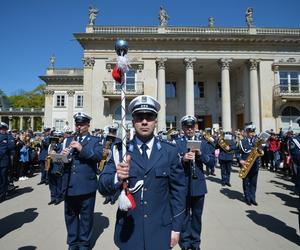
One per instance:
(28, 223)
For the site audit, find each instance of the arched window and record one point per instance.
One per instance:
(290, 111)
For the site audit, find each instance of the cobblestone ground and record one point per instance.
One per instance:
(28, 223)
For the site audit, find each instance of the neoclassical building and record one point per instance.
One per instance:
(221, 75)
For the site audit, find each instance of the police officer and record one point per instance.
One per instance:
(80, 182)
(6, 146)
(211, 144)
(294, 148)
(192, 160)
(115, 151)
(226, 157)
(56, 169)
(43, 154)
(250, 181)
(156, 221)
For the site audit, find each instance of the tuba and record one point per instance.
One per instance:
(223, 144)
(208, 137)
(106, 152)
(254, 154)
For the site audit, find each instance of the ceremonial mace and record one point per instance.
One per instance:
(126, 201)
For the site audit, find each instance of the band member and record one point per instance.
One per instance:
(80, 183)
(56, 169)
(227, 146)
(294, 148)
(250, 181)
(156, 221)
(211, 144)
(192, 160)
(42, 156)
(6, 146)
(114, 145)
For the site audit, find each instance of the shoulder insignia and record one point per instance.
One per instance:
(130, 149)
(292, 145)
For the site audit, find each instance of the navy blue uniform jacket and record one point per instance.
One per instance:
(80, 175)
(197, 186)
(160, 203)
(7, 145)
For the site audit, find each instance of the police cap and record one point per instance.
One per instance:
(250, 127)
(144, 104)
(47, 129)
(81, 117)
(3, 125)
(188, 120)
(113, 128)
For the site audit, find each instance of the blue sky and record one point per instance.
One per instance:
(33, 30)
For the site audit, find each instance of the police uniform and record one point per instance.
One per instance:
(226, 158)
(42, 157)
(79, 187)
(294, 149)
(160, 202)
(6, 146)
(196, 187)
(115, 152)
(210, 169)
(250, 181)
(56, 170)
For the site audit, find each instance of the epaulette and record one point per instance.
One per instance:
(168, 142)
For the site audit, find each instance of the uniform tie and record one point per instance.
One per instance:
(144, 148)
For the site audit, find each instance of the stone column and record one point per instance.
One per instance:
(48, 108)
(10, 122)
(226, 100)
(189, 87)
(161, 92)
(32, 122)
(71, 94)
(254, 94)
(21, 122)
(88, 63)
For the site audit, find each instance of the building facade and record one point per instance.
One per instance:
(225, 76)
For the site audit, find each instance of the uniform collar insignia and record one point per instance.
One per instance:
(158, 145)
(130, 149)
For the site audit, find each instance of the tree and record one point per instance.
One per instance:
(29, 99)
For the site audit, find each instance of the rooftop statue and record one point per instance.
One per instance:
(92, 15)
(249, 17)
(163, 17)
(52, 61)
(211, 22)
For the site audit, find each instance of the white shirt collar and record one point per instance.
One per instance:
(149, 143)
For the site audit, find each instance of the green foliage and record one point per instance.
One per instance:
(30, 99)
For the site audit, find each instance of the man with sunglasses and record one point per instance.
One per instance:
(192, 160)
(154, 164)
(79, 182)
(250, 181)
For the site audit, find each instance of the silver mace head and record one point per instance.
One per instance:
(121, 47)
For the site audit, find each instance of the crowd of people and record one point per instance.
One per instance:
(163, 174)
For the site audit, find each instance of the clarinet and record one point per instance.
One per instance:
(193, 168)
(72, 150)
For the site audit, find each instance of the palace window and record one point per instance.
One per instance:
(199, 89)
(170, 89)
(79, 101)
(59, 124)
(118, 116)
(130, 81)
(60, 101)
(170, 121)
(290, 111)
(289, 81)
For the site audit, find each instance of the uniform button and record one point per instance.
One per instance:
(145, 216)
(145, 202)
(164, 173)
(145, 189)
(145, 176)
